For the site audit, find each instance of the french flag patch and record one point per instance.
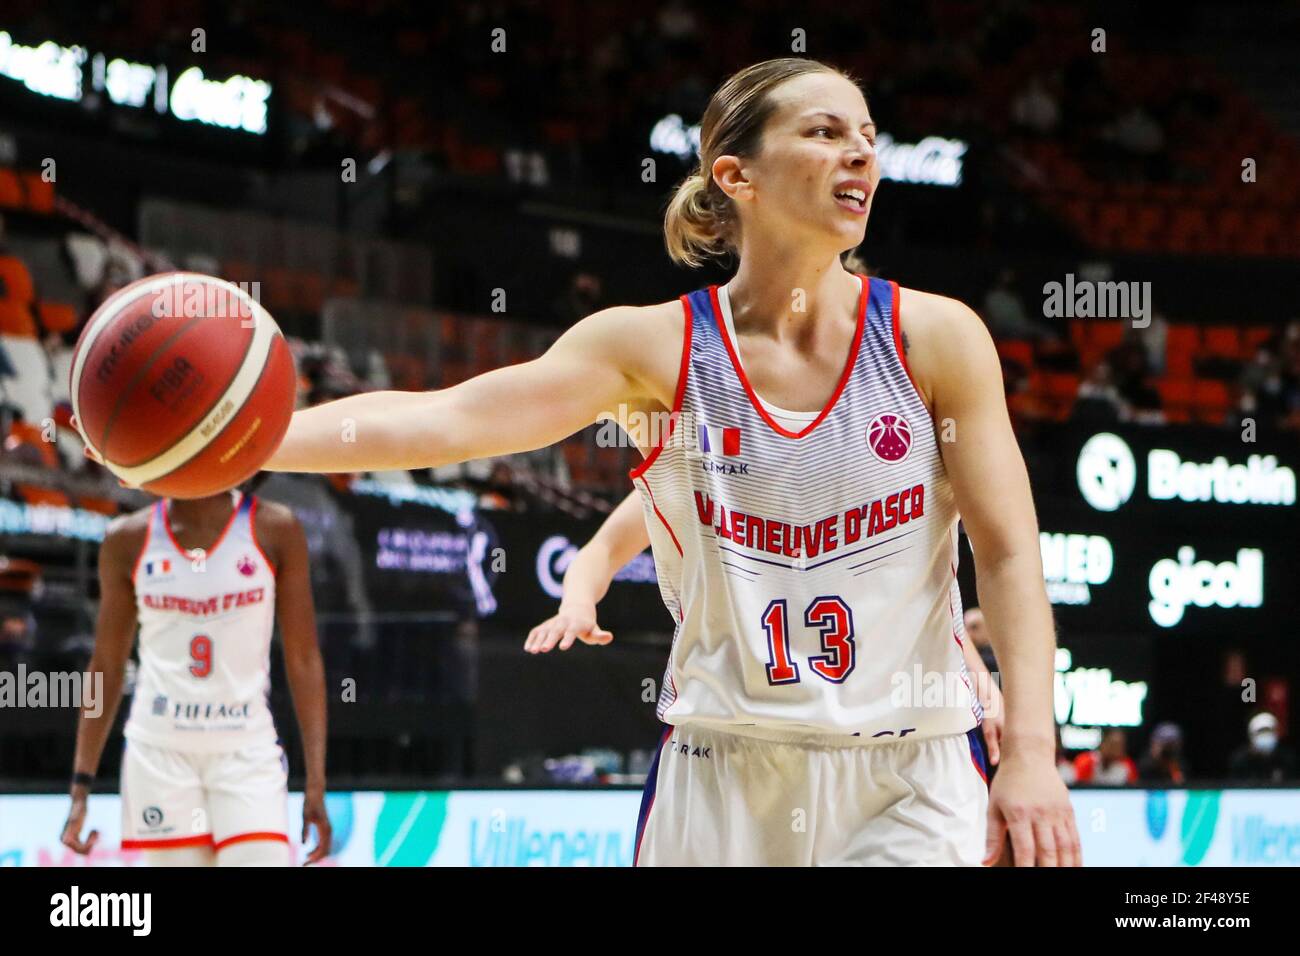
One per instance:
(717, 440)
(161, 566)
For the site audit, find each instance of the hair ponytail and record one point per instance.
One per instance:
(694, 228)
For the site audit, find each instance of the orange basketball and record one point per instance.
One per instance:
(183, 384)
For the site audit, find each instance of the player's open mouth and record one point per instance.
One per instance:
(854, 199)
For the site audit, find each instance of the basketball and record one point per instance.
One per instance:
(182, 384)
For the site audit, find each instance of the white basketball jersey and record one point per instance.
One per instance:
(812, 573)
(206, 621)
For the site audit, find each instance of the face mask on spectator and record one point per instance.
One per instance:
(1265, 741)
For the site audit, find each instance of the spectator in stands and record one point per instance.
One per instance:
(1005, 313)
(1269, 383)
(1263, 759)
(1136, 131)
(498, 492)
(1131, 373)
(1163, 763)
(17, 633)
(1109, 765)
(1035, 108)
(583, 297)
(1154, 338)
(1098, 401)
(1024, 404)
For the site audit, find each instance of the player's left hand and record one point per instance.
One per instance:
(564, 628)
(1029, 803)
(313, 814)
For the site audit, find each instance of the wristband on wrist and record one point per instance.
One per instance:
(86, 780)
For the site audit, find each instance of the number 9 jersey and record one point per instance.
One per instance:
(206, 620)
(809, 559)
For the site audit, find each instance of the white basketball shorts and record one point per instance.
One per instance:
(171, 798)
(721, 799)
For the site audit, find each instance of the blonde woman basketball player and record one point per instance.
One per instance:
(620, 538)
(203, 775)
(803, 512)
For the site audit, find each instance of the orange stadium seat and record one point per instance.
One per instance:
(342, 287)
(29, 434)
(1176, 394)
(1181, 343)
(1222, 340)
(1017, 350)
(1105, 334)
(1254, 337)
(15, 278)
(11, 191)
(40, 193)
(311, 291)
(103, 506)
(1213, 399)
(278, 291)
(237, 270)
(38, 495)
(16, 319)
(57, 316)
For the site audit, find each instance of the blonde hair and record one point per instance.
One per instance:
(700, 222)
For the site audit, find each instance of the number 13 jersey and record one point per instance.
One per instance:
(811, 573)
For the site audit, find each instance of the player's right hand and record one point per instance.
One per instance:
(564, 628)
(72, 829)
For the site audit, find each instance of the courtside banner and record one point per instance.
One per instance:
(471, 828)
(579, 828)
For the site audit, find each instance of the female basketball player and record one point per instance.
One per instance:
(203, 776)
(620, 538)
(827, 432)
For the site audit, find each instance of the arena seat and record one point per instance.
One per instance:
(1213, 400)
(1222, 340)
(39, 193)
(56, 316)
(11, 190)
(16, 319)
(1254, 336)
(15, 278)
(1017, 350)
(1181, 343)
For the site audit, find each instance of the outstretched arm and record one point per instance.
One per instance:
(955, 362)
(621, 538)
(590, 370)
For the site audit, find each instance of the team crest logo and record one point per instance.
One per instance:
(246, 567)
(152, 816)
(889, 437)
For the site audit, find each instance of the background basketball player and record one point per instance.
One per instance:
(204, 778)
